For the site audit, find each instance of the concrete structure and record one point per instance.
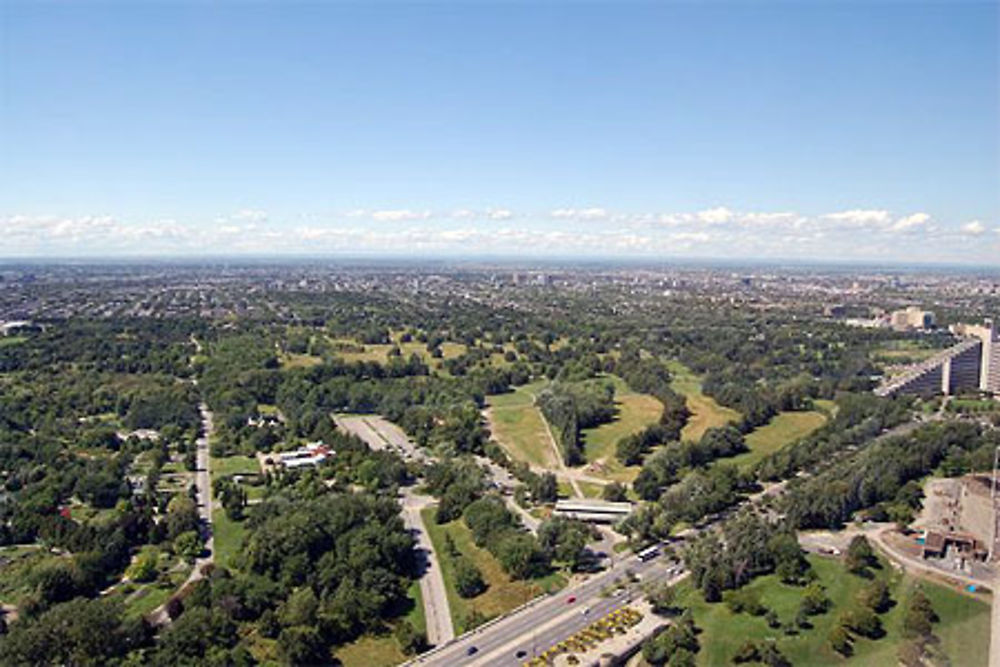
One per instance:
(911, 318)
(593, 510)
(972, 365)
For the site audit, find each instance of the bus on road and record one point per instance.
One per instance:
(648, 553)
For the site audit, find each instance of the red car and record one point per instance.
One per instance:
(571, 599)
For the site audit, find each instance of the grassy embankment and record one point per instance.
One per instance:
(520, 428)
(963, 627)
(502, 594)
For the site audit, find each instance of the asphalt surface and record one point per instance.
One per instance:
(432, 588)
(380, 434)
(547, 622)
(203, 482)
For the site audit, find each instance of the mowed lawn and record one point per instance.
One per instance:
(228, 538)
(784, 429)
(503, 593)
(520, 428)
(705, 412)
(635, 412)
(963, 627)
(234, 465)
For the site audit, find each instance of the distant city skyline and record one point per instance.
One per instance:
(810, 131)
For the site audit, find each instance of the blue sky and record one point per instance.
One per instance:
(791, 130)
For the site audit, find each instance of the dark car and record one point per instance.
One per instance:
(520, 654)
(472, 650)
(571, 599)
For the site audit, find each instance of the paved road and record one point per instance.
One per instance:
(432, 589)
(379, 434)
(203, 482)
(544, 623)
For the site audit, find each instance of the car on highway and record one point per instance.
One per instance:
(571, 599)
(520, 654)
(472, 650)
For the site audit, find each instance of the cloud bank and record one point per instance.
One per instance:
(869, 234)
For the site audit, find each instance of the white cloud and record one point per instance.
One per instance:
(500, 214)
(595, 213)
(860, 217)
(718, 232)
(910, 222)
(400, 215)
(715, 216)
(974, 228)
(250, 215)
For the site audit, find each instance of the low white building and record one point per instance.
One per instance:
(312, 454)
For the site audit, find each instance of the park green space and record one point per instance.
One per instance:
(383, 650)
(784, 429)
(705, 412)
(351, 350)
(371, 651)
(502, 594)
(234, 465)
(963, 627)
(6, 341)
(520, 428)
(634, 412)
(591, 490)
(903, 351)
(228, 538)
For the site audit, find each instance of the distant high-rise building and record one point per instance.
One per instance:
(911, 318)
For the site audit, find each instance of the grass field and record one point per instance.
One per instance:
(635, 412)
(591, 490)
(520, 428)
(6, 341)
(503, 593)
(228, 536)
(784, 429)
(300, 361)
(903, 351)
(371, 651)
(705, 412)
(235, 465)
(380, 352)
(963, 628)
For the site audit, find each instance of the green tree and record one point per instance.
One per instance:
(188, 545)
(411, 642)
(468, 579)
(302, 645)
(859, 555)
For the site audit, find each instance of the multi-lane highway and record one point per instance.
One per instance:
(549, 620)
